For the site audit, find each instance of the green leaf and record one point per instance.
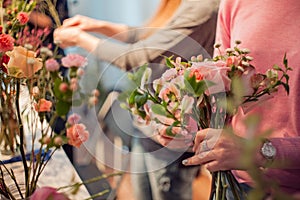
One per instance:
(276, 67)
(169, 63)
(56, 90)
(285, 61)
(169, 131)
(195, 87)
(140, 100)
(142, 113)
(62, 108)
(159, 110)
(286, 76)
(136, 77)
(132, 97)
(286, 87)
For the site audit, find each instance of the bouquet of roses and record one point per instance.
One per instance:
(206, 92)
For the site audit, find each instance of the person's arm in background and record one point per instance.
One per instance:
(188, 17)
(88, 24)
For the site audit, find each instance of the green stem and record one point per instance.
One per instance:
(218, 185)
(224, 185)
(98, 194)
(91, 180)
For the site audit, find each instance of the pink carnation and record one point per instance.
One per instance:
(74, 60)
(43, 105)
(47, 193)
(6, 43)
(77, 134)
(23, 17)
(52, 65)
(74, 119)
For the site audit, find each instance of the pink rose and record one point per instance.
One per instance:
(47, 193)
(23, 17)
(74, 60)
(6, 43)
(52, 65)
(43, 105)
(215, 72)
(77, 134)
(23, 63)
(73, 119)
(167, 90)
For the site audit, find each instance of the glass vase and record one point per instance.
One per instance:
(10, 117)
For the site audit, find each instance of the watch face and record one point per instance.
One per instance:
(268, 150)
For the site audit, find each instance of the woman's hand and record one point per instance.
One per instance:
(217, 150)
(82, 22)
(67, 36)
(73, 36)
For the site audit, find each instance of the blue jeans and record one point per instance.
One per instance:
(246, 189)
(158, 177)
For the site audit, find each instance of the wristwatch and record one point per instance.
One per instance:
(268, 151)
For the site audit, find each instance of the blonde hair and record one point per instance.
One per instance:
(165, 11)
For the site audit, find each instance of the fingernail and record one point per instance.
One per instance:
(185, 162)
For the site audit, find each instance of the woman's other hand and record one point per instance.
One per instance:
(217, 150)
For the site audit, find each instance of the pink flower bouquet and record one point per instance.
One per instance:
(207, 92)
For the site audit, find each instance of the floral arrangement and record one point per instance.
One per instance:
(202, 92)
(34, 95)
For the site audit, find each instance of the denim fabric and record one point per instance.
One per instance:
(246, 189)
(156, 178)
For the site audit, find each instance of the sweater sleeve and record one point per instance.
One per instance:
(189, 15)
(287, 152)
(223, 27)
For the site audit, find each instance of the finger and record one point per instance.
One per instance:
(202, 147)
(163, 140)
(212, 166)
(194, 160)
(162, 130)
(73, 21)
(174, 143)
(200, 136)
(199, 159)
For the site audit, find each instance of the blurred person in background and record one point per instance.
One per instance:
(180, 28)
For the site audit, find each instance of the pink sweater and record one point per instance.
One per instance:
(270, 28)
